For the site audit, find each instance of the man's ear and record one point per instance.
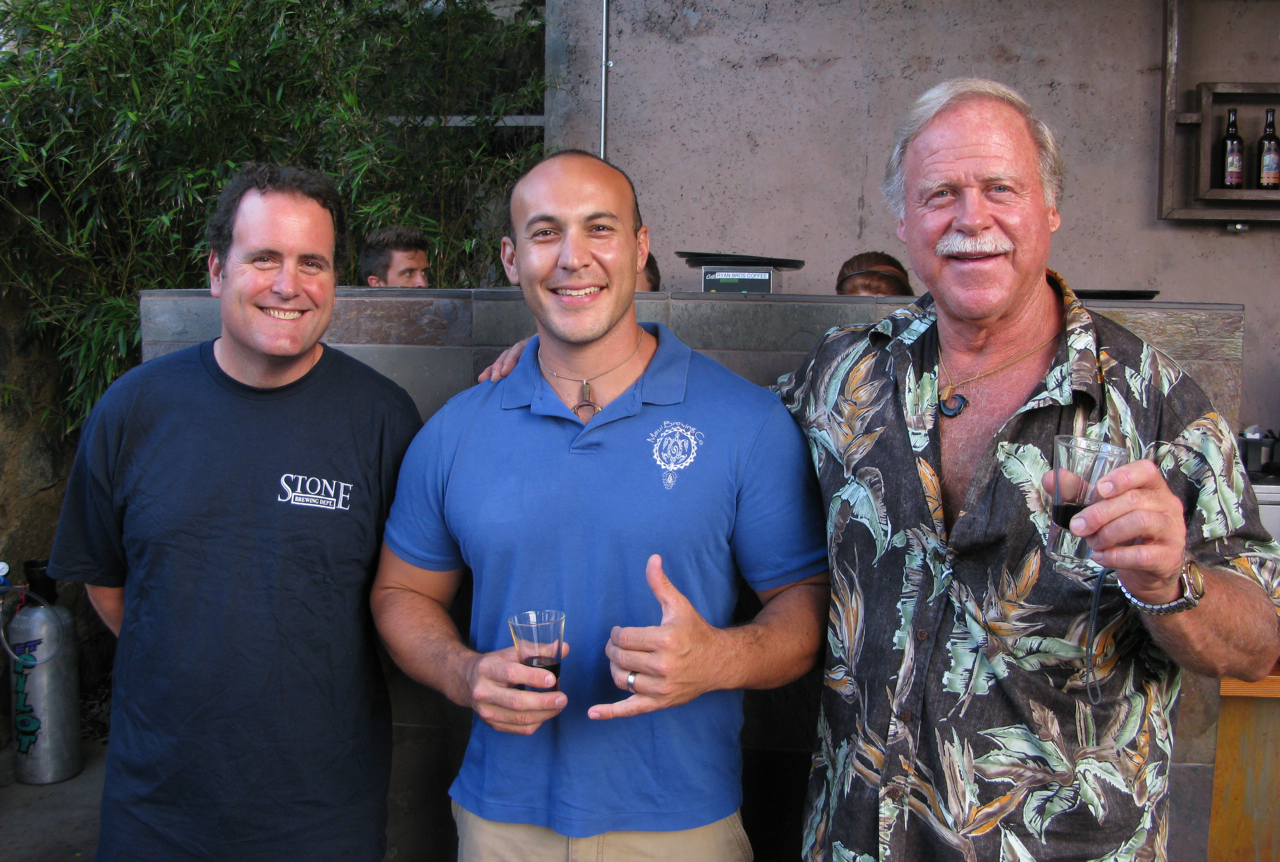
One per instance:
(642, 248)
(508, 255)
(902, 230)
(215, 274)
(374, 281)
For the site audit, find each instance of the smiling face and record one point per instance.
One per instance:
(276, 288)
(576, 251)
(976, 224)
(407, 269)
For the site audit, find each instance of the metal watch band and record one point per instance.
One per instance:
(1189, 599)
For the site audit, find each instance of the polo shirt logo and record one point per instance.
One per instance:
(314, 492)
(675, 445)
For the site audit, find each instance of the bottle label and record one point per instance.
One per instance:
(1235, 168)
(1270, 168)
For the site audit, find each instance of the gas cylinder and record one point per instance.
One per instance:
(43, 668)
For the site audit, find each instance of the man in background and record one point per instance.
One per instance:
(394, 256)
(651, 278)
(873, 273)
(225, 511)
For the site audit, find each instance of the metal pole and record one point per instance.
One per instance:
(604, 71)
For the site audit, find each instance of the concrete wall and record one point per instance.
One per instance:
(761, 127)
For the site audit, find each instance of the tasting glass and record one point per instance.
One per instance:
(539, 637)
(1078, 464)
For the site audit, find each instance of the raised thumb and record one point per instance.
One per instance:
(671, 599)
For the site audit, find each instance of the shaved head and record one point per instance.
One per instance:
(509, 227)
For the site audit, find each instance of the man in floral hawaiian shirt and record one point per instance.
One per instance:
(956, 718)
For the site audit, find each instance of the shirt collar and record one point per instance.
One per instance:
(663, 382)
(1076, 367)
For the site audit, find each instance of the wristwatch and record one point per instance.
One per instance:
(1192, 592)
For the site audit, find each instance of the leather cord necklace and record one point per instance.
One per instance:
(584, 396)
(951, 403)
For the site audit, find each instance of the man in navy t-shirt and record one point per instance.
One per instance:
(225, 510)
(626, 480)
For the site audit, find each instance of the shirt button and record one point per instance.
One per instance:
(894, 792)
(922, 635)
(905, 716)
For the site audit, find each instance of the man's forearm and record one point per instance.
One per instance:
(423, 641)
(781, 643)
(1232, 632)
(109, 603)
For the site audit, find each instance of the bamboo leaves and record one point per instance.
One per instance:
(119, 122)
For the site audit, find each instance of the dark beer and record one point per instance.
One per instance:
(1063, 513)
(1232, 154)
(545, 663)
(1269, 154)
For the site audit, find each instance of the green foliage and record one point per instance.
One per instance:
(120, 121)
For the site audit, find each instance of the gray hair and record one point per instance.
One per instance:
(948, 94)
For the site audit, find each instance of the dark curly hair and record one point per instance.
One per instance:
(277, 178)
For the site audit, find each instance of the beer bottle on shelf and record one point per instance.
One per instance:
(1269, 154)
(1233, 154)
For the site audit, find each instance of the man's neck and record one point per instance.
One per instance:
(973, 346)
(1024, 345)
(261, 373)
(611, 364)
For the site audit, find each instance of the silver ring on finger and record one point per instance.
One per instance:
(631, 682)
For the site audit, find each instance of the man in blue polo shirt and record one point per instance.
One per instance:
(622, 478)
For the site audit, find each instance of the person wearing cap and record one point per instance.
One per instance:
(873, 273)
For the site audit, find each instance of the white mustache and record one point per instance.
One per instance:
(984, 243)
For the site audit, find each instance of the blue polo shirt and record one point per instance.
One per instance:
(693, 463)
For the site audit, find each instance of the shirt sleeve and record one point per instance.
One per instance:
(779, 536)
(399, 427)
(88, 546)
(416, 529)
(1224, 528)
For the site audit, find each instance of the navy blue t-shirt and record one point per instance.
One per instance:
(693, 463)
(250, 720)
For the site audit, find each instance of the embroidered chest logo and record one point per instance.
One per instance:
(675, 445)
(314, 492)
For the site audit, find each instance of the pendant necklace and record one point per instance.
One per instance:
(584, 397)
(952, 403)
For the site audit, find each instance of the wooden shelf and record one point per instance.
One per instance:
(1207, 168)
(1269, 687)
(1242, 194)
(1190, 180)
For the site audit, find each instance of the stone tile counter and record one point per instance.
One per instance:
(434, 342)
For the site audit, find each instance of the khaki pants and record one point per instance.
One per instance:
(481, 840)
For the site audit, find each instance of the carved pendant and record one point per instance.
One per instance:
(595, 408)
(952, 406)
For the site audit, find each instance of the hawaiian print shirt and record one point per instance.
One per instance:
(955, 723)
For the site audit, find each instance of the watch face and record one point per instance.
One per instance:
(1195, 581)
